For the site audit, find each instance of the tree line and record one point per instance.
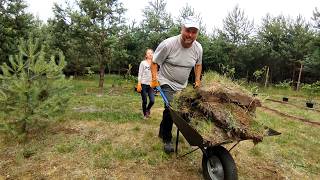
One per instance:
(95, 35)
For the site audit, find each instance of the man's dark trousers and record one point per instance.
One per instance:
(166, 123)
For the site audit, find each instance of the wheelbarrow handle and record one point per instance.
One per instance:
(164, 97)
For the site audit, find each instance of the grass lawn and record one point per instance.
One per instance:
(105, 137)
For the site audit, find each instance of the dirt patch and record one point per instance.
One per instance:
(253, 167)
(125, 161)
(80, 163)
(87, 109)
(282, 102)
(307, 121)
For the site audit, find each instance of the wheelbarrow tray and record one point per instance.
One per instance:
(191, 134)
(196, 139)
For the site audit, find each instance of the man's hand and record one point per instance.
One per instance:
(139, 88)
(197, 73)
(154, 72)
(154, 83)
(197, 84)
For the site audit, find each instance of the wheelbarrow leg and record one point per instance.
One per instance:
(177, 141)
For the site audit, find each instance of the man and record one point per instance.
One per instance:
(176, 57)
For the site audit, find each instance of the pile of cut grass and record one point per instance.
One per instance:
(217, 114)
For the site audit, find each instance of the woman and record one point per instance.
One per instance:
(144, 80)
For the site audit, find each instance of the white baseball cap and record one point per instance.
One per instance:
(190, 21)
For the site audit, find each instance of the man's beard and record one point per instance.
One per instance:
(188, 41)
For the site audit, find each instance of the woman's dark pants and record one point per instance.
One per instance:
(147, 91)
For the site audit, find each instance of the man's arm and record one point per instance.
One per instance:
(197, 73)
(154, 74)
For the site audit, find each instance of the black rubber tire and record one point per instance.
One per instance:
(222, 166)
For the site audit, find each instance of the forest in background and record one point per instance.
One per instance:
(95, 37)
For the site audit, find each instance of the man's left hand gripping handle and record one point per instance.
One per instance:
(154, 72)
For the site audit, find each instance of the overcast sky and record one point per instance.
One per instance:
(212, 11)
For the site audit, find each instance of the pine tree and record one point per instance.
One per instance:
(32, 89)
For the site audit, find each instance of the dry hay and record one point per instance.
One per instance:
(221, 111)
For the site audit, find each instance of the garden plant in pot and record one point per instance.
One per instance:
(311, 91)
(285, 86)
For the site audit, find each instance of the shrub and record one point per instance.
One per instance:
(286, 85)
(32, 88)
(311, 90)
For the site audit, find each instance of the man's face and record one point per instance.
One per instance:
(188, 36)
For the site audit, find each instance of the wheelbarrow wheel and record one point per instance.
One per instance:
(218, 164)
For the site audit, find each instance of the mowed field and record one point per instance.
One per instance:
(105, 137)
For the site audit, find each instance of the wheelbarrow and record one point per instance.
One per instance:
(217, 162)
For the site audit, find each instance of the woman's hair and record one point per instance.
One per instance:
(145, 54)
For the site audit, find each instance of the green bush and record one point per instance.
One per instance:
(311, 90)
(32, 88)
(286, 85)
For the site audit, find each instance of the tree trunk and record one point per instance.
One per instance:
(101, 79)
(299, 78)
(247, 76)
(267, 77)
(293, 73)
(102, 69)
